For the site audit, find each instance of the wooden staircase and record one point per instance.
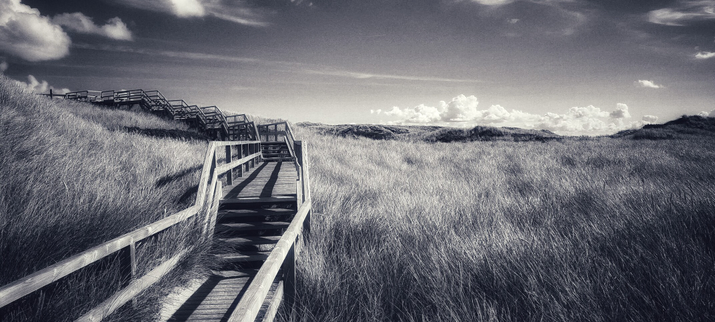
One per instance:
(275, 151)
(252, 216)
(247, 229)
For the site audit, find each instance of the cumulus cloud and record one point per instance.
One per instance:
(25, 33)
(235, 11)
(647, 84)
(621, 112)
(464, 109)
(705, 55)
(649, 119)
(459, 109)
(3, 66)
(115, 28)
(684, 12)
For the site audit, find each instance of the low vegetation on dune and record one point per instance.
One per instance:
(76, 175)
(574, 229)
(431, 134)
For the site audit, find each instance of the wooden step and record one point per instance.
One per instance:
(277, 159)
(257, 200)
(250, 240)
(238, 214)
(241, 258)
(251, 226)
(235, 273)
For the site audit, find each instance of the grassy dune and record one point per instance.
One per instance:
(73, 177)
(597, 229)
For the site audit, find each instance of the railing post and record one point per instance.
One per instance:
(239, 153)
(229, 158)
(289, 279)
(128, 266)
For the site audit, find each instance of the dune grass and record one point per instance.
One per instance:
(582, 229)
(71, 179)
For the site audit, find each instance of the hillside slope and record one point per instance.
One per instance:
(75, 175)
(415, 133)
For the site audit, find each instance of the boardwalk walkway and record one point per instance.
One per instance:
(253, 214)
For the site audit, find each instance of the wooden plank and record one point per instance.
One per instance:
(250, 240)
(240, 213)
(212, 304)
(275, 303)
(237, 257)
(206, 173)
(251, 226)
(251, 302)
(250, 200)
(120, 298)
(247, 272)
(226, 167)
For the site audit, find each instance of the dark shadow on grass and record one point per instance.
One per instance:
(188, 194)
(167, 134)
(172, 177)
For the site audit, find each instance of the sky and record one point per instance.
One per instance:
(570, 66)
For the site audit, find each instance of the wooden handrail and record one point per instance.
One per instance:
(282, 256)
(252, 300)
(208, 183)
(33, 282)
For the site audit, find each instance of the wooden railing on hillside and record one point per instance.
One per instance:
(204, 208)
(208, 119)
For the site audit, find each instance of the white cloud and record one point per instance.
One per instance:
(464, 109)
(187, 8)
(650, 119)
(647, 84)
(705, 55)
(621, 112)
(25, 33)
(683, 13)
(234, 11)
(35, 86)
(361, 75)
(114, 28)
(493, 2)
(3, 66)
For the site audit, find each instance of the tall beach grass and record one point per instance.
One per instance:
(72, 179)
(582, 229)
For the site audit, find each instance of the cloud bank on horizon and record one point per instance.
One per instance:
(463, 111)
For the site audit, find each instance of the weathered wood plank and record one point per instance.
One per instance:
(136, 287)
(275, 304)
(248, 306)
(226, 167)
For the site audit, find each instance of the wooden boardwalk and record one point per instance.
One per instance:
(269, 179)
(254, 212)
(256, 226)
